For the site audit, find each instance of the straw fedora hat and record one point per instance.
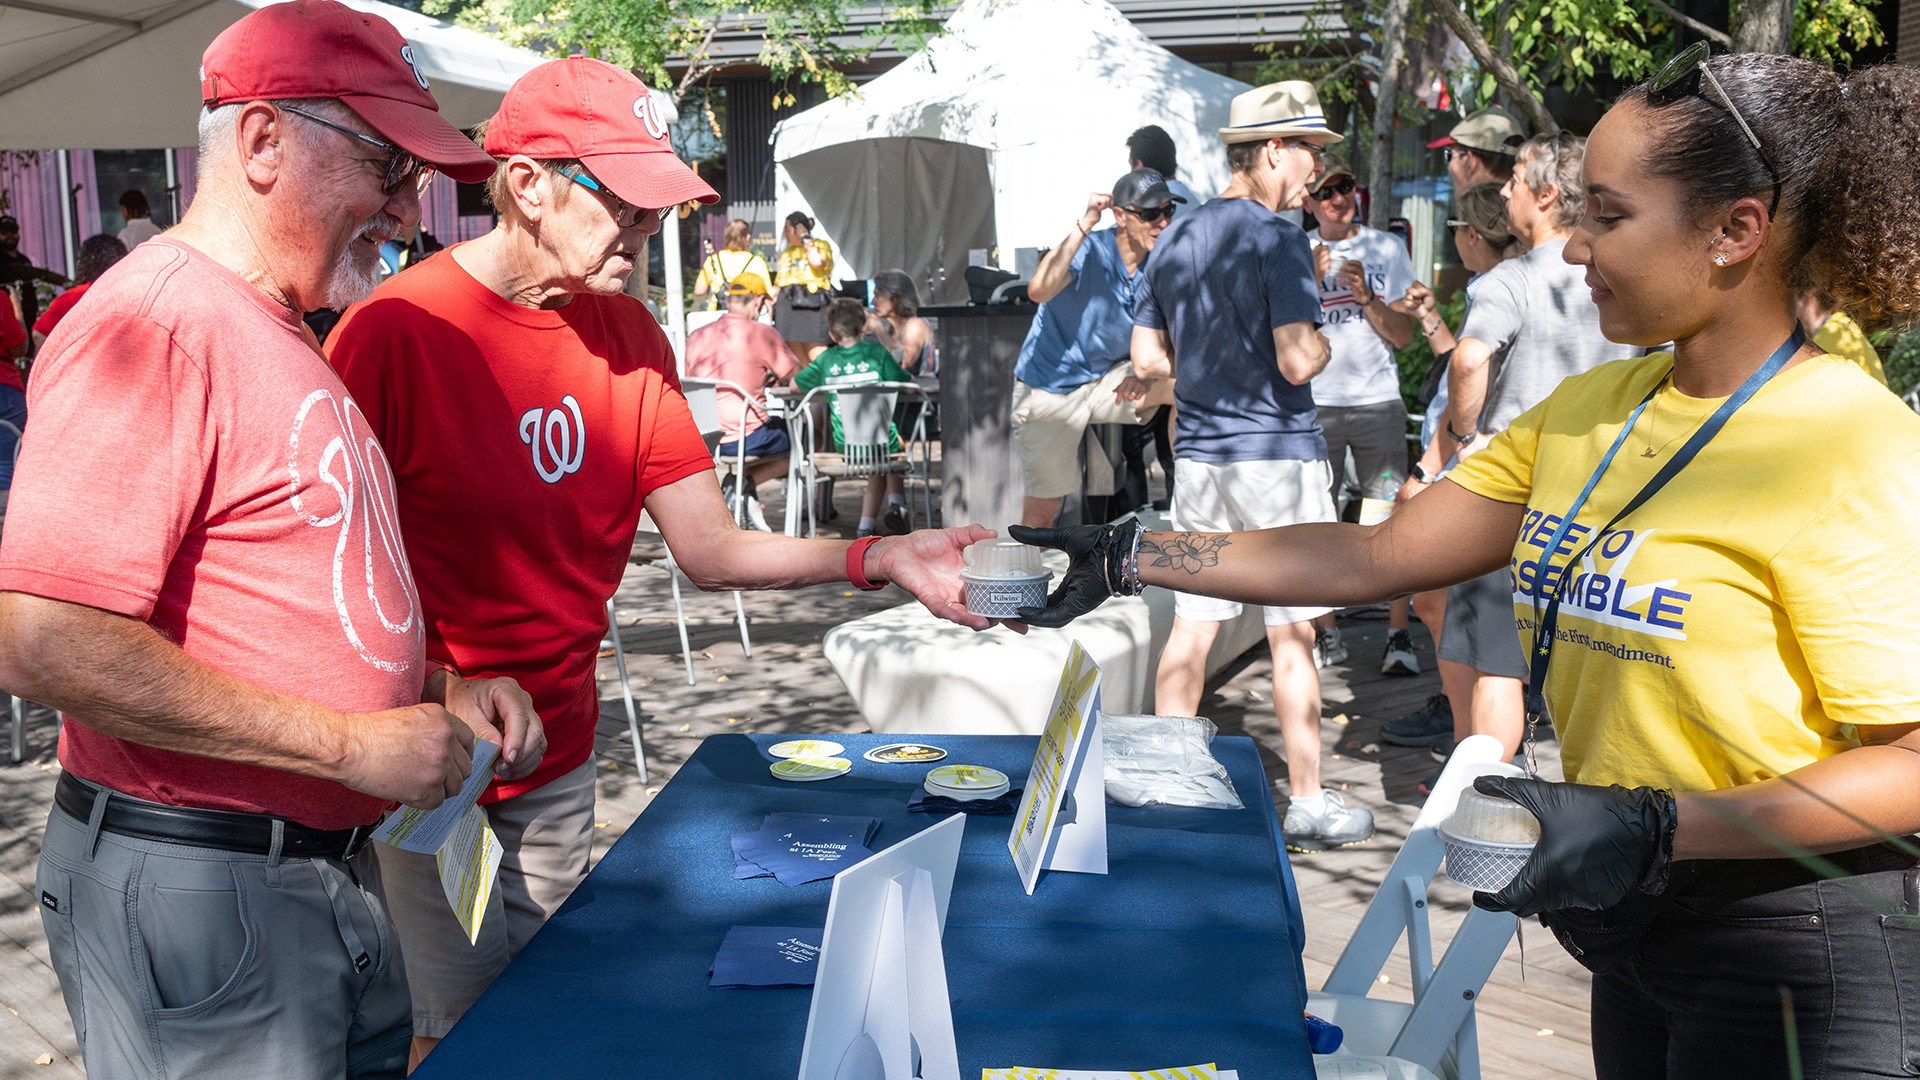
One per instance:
(1278, 110)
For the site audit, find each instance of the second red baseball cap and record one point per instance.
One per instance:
(324, 49)
(600, 114)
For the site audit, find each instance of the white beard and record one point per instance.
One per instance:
(354, 280)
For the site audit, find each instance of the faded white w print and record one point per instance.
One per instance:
(341, 481)
(558, 439)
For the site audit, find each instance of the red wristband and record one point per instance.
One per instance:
(856, 564)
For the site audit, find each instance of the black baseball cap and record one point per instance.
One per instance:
(7, 222)
(1144, 188)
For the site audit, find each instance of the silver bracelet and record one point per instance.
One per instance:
(1130, 580)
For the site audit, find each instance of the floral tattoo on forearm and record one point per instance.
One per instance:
(1191, 552)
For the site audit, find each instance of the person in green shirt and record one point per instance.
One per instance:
(854, 361)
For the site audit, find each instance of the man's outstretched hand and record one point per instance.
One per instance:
(1094, 554)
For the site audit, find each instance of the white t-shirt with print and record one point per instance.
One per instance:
(1362, 371)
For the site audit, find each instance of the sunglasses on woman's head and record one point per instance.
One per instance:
(1342, 186)
(1681, 77)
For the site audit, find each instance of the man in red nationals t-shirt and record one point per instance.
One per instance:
(202, 569)
(531, 411)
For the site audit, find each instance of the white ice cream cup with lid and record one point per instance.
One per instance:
(1003, 576)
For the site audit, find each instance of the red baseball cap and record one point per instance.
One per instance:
(324, 49)
(600, 114)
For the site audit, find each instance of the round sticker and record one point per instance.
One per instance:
(967, 778)
(821, 748)
(905, 753)
(802, 769)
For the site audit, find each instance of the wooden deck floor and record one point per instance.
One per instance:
(1533, 1012)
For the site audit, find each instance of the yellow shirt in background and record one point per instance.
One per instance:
(1842, 337)
(1722, 633)
(793, 268)
(721, 267)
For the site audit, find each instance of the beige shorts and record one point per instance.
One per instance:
(1048, 427)
(547, 834)
(1239, 496)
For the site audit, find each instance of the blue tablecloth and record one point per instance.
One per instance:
(1187, 951)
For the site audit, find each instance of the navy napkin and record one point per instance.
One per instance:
(799, 848)
(767, 956)
(924, 803)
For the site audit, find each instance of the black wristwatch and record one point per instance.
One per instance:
(1457, 437)
(1420, 474)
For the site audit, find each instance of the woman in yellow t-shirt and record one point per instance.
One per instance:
(735, 258)
(1734, 663)
(802, 285)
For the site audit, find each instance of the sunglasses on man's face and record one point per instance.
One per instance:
(625, 214)
(1342, 186)
(400, 167)
(1682, 77)
(1152, 213)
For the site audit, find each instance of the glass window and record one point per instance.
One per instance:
(117, 172)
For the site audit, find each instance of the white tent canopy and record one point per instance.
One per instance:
(993, 136)
(123, 74)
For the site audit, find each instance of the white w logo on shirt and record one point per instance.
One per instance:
(564, 442)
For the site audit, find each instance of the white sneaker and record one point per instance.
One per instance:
(1339, 825)
(1399, 658)
(1328, 649)
(757, 516)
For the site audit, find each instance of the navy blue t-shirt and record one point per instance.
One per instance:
(1221, 279)
(1087, 328)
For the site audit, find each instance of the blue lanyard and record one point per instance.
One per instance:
(1544, 625)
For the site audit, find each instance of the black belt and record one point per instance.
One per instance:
(225, 830)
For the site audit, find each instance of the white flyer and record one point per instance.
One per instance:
(1062, 821)
(424, 831)
(469, 862)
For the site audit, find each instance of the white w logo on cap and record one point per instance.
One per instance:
(649, 116)
(406, 53)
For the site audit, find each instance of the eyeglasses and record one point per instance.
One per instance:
(401, 165)
(1342, 186)
(625, 214)
(1319, 152)
(1152, 213)
(1680, 78)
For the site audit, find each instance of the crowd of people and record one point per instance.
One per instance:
(333, 568)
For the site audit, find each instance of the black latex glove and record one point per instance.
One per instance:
(1093, 571)
(1598, 845)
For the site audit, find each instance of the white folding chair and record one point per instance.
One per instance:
(626, 688)
(703, 400)
(866, 426)
(1437, 1031)
(672, 568)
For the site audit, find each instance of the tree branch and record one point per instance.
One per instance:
(1393, 52)
(1718, 37)
(1503, 72)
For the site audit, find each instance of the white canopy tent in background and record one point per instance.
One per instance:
(124, 75)
(993, 136)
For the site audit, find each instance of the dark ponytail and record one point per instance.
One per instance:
(800, 221)
(1848, 160)
(1867, 255)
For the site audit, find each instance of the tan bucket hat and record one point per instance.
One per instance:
(1278, 110)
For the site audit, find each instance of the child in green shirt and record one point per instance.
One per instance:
(853, 361)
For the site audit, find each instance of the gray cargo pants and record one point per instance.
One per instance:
(181, 961)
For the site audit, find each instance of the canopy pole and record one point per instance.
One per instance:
(676, 305)
(65, 170)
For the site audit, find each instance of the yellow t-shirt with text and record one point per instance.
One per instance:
(1723, 632)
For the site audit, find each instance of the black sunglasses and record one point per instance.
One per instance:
(401, 165)
(1152, 213)
(1681, 77)
(1342, 186)
(625, 214)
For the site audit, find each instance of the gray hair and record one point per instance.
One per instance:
(219, 124)
(1557, 161)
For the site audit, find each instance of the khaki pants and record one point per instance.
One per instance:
(547, 834)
